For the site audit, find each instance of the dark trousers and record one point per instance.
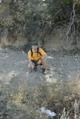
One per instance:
(35, 63)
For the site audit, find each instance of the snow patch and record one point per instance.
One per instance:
(12, 74)
(50, 79)
(48, 112)
(49, 76)
(6, 78)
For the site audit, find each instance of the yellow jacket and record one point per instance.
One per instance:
(36, 55)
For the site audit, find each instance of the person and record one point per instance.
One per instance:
(37, 56)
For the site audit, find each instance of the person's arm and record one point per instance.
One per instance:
(43, 53)
(29, 55)
(44, 58)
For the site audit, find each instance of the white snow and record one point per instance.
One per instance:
(47, 111)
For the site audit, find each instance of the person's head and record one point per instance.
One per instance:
(34, 47)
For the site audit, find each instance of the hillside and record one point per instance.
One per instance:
(55, 26)
(23, 21)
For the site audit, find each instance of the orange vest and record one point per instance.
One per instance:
(36, 55)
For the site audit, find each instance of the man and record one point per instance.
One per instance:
(37, 56)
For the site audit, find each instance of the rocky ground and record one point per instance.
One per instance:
(21, 92)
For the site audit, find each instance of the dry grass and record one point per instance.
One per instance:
(61, 97)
